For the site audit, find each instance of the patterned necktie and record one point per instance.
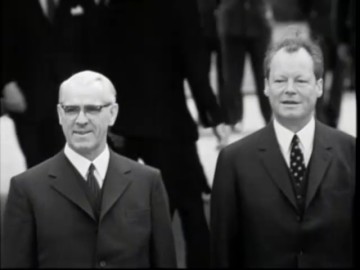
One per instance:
(92, 183)
(297, 165)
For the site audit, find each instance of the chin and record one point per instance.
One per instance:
(82, 148)
(290, 117)
(291, 114)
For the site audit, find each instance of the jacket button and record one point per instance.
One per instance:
(298, 218)
(102, 263)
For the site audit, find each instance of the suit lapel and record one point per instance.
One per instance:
(271, 156)
(116, 182)
(320, 160)
(65, 183)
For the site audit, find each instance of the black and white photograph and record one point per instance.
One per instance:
(178, 134)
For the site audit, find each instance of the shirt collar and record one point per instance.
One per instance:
(82, 164)
(306, 136)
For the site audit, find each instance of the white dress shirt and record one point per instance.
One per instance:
(82, 164)
(306, 135)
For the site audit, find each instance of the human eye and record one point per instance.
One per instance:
(71, 109)
(301, 81)
(92, 109)
(279, 80)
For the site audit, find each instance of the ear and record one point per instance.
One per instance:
(319, 87)
(60, 113)
(114, 110)
(266, 89)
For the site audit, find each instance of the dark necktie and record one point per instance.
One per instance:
(92, 183)
(297, 165)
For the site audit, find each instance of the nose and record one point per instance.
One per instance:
(81, 119)
(290, 89)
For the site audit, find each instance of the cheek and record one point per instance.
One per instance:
(275, 91)
(101, 126)
(67, 127)
(274, 97)
(310, 97)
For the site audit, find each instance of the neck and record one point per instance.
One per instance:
(294, 126)
(90, 155)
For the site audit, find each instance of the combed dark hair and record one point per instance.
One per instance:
(292, 42)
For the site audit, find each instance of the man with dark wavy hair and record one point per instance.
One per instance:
(284, 196)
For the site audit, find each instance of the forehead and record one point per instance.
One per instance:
(85, 92)
(285, 62)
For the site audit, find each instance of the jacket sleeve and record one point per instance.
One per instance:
(224, 218)
(162, 253)
(18, 242)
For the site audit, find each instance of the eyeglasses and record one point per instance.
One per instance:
(74, 110)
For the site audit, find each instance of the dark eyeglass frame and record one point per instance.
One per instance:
(89, 109)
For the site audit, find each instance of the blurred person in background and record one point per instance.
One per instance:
(352, 27)
(244, 27)
(287, 11)
(207, 10)
(43, 42)
(331, 22)
(153, 46)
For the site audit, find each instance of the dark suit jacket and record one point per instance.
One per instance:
(254, 217)
(153, 46)
(39, 54)
(49, 221)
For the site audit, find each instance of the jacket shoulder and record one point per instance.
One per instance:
(247, 143)
(337, 137)
(135, 165)
(38, 171)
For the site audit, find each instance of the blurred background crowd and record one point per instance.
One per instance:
(189, 78)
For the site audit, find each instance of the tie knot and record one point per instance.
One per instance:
(295, 140)
(91, 168)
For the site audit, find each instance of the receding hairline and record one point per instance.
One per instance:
(286, 50)
(86, 78)
(291, 43)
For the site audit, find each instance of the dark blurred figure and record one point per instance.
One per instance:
(351, 23)
(152, 47)
(207, 9)
(244, 27)
(43, 42)
(286, 11)
(329, 22)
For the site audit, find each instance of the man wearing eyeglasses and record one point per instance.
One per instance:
(87, 206)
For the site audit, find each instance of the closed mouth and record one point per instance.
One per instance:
(290, 102)
(81, 132)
